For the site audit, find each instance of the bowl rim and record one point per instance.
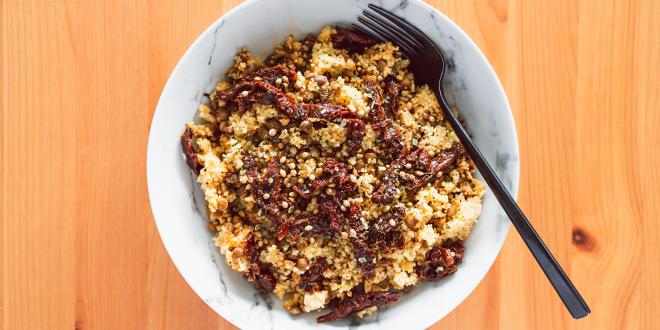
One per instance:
(515, 179)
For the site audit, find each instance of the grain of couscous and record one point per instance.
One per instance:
(331, 179)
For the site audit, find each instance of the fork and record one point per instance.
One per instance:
(428, 66)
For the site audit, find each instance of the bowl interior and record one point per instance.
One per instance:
(177, 203)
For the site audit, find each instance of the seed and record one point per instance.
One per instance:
(278, 81)
(321, 80)
(301, 263)
(225, 127)
(408, 165)
(431, 118)
(285, 79)
(382, 168)
(329, 191)
(266, 196)
(283, 160)
(237, 252)
(222, 115)
(392, 222)
(346, 203)
(312, 176)
(282, 172)
(305, 154)
(280, 145)
(262, 132)
(292, 194)
(293, 173)
(419, 173)
(308, 228)
(305, 125)
(293, 150)
(272, 132)
(344, 235)
(285, 205)
(291, 165)
(270, 180)
(244, 93)
(257, 79)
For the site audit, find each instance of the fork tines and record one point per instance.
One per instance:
(386, 26)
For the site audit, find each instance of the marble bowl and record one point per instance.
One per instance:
(177, 204)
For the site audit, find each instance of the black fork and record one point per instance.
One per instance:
(428, 66)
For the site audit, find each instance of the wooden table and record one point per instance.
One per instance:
(80, 81)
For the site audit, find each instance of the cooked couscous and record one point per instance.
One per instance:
(331, 178)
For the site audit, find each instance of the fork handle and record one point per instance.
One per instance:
(562, 284)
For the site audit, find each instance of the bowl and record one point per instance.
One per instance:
(177, 203)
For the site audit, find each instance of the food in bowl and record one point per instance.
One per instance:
(331, 179)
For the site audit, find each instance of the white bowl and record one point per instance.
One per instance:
(471, 84)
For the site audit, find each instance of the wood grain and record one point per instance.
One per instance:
(80, 80)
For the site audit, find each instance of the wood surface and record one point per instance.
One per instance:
(80, 81)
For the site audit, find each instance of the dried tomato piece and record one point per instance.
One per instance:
(189, 151)
(419, 161)
(355, 134)
(394, 141)
(358, 302)
(435, 165)
(386, 232)
(378, 118)
(334, 172)
(311, 277)
(392, 91)
(387, 190)
(364, 255)
(322, 111)
(332, 211)
(258, 274)
(246, 93)
(271, 74)
(441, 261)
(303, 191)
(351, 40)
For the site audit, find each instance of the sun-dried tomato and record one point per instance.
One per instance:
(392, 90)
(378, 118)
(387, 190)
(303, 191)
(332, 211)
(364, 255)
(386, 232)
(271, 74)
(424, 167)
(189, 151)
(358, 301)
(355, 134)
(333, 172)
(258, 273)
(394, 141)
(310, 279)
(441, 261)
(246, 93)
(325, 111)
(435, 165)
(351, 40)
